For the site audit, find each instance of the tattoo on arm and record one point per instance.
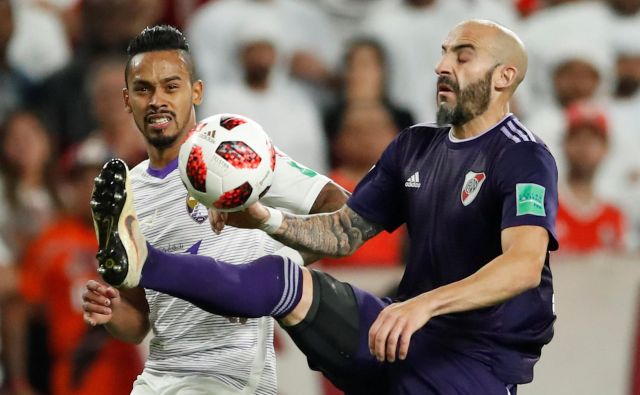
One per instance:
(335, 234)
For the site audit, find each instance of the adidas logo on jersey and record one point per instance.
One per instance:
(413, 181)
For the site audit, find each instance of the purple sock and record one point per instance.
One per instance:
(268, 286)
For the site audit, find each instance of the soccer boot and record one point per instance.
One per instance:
(122, 248)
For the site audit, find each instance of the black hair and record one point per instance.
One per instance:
(160, 38)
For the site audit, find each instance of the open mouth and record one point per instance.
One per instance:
(159, 121)
(444, 88)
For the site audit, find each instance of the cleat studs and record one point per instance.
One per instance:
(98, 180)
(118, 177)
(117, 268)
(117, 197)
(101, 270)
(94, 204)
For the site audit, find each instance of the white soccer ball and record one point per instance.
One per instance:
(227, 162)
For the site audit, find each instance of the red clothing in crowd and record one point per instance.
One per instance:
(383, 250)
(56, 267)
(600, 226)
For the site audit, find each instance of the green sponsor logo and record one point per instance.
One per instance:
(304, 170)
(530, 199)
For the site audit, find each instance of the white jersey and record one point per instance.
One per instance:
(187, 340)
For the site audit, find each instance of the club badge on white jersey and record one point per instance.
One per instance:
(197, 211)
(472, 183)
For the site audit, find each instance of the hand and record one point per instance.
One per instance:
(397, 323)
(98, 300)
(250, 218)
(217, 220)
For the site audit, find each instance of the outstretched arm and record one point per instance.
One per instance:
(518, 269)
(339, 233)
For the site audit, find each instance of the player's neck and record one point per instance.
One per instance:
(481, 123)
(160, 158)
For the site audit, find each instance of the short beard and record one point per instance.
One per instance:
(471, 101)
(162, 142)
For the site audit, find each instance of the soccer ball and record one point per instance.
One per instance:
(227, 162)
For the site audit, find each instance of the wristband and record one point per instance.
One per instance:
(274, 221)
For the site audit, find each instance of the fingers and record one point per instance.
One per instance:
(97, 302)
(95, 314)
(379, 335)
(97, 288)
(389, 336)
(217, 220)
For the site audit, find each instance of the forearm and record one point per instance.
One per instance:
(501, 279)
(334, 234)
(130, 321)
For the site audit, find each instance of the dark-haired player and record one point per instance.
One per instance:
(192, 351)
(478, 193)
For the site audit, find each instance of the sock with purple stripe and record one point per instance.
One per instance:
(269, 286)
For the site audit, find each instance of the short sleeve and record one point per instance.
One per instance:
(294, 187)
(378, 197)
(527, 180)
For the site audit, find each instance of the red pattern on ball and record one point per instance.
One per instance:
(238, 154)
(234, 198)
(231, 122)
(272, 153)
(197, 169)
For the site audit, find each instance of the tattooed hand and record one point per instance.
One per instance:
(335, 234)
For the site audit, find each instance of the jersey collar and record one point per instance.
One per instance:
(164, 171)
(456, 142)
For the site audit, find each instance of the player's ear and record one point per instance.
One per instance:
(198, 89)
(505, 76)
(125, 97)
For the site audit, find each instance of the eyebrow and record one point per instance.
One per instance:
(459, 47)
(164, 80)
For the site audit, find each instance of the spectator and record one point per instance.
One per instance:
(365, 80)
(13, 84)
(290, 118)
(577, 72)
(308, 47)
(107, 26)
(562, 26)
(40, 55)
(411, 32)
(27, 177)
(116, 131)
(627, 76)
(620, 179)
(366, 130)
(57, 264)
(586, 223)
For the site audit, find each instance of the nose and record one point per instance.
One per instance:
(158, 99)
(443, 67)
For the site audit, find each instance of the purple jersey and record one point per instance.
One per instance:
(455, 197)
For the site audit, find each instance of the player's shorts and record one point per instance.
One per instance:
(334, 337)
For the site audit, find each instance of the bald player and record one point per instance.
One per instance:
(478, 192)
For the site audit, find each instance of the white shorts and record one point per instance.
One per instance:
(152, 384)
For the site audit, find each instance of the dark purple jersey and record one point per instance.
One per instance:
(456, 196)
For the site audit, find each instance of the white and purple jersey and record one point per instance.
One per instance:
(456, 196)
(187, 341)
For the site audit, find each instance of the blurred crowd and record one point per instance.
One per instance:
(332, 81)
